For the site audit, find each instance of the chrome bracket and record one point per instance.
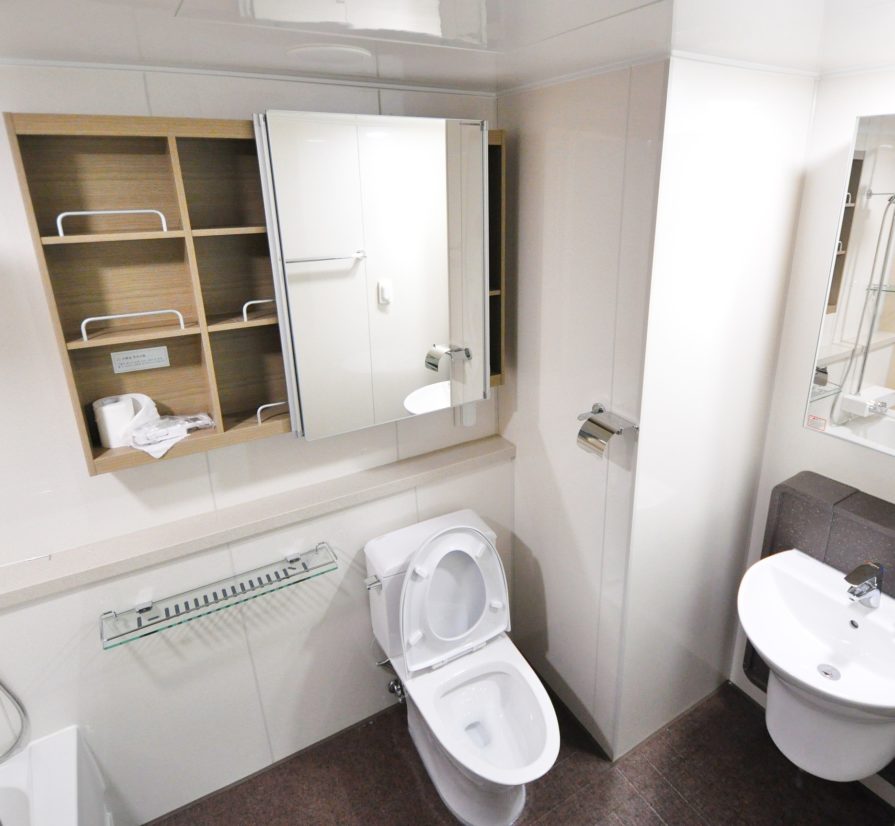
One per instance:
(373, 583)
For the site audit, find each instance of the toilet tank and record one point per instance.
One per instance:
(387, 558)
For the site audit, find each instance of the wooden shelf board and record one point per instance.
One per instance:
(237, 429)
(493, 293)
(229, 231)
(220, 324)
(103, 338)
(247, 422)
(105, 237)
(496, 379)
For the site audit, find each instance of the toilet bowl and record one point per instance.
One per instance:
(477, 713)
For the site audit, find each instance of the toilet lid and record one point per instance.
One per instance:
(454, 597)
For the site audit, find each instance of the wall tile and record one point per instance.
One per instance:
(438, 105)
(312, 644)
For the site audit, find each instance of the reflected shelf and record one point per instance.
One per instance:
(150, 618)
(823, 391)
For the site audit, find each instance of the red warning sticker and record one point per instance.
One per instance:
(816, 423)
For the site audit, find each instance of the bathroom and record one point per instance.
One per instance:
(653, 198)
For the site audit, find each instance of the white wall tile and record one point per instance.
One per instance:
(566, 162)
(144, 707)
(312, 644)
(215, 96)
(438, 105)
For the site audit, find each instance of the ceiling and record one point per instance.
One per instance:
(484, 45)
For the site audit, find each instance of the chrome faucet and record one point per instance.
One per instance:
(878, 407)
(866, 584)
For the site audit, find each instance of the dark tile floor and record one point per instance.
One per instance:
(715, 766)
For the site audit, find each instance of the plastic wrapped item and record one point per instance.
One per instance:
(157, 437)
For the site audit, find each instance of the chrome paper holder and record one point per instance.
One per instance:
(151, 617)
(599, 427)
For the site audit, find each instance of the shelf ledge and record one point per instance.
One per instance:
(119, 555)
(106, 237)
(105, 338)
(209, 231)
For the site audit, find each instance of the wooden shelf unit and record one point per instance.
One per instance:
(203, 176)
(497, 226)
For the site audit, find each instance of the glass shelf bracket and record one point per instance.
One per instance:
(151, 617)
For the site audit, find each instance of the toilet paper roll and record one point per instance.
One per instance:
(593, 437)
(114, 415)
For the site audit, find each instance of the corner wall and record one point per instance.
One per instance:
(582, 177)
(732, 160)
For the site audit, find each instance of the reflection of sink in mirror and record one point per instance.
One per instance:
(831, 690)
(428, 398)
(876, 431)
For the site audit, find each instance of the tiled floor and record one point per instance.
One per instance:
(716, 766)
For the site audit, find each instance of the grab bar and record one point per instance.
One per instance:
(357, 256)
(245, 307)
(87, 321)
(62, 215)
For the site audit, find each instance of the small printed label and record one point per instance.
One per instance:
(148, 358)
(816, 423)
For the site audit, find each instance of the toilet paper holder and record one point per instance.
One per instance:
(599, 427)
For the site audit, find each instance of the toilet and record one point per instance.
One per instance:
(477, 713)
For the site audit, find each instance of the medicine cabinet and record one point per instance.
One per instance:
(192, 258)
(152, 233)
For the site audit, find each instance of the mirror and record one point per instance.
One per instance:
(852, 393)
(379, 241)
(13, 724)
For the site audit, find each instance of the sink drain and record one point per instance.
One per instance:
(829, 671)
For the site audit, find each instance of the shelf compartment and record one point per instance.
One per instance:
(180, 389)
(75, 173)
(225, 323)
(823, 391)
(234, 269)
(222, 181)
(249, 370)
(120, 277)
(150, 618)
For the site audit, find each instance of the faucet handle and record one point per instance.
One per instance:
(865, 572)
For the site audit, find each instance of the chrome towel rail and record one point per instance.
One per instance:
(245, 307)
(264, 407)
(87, 321)
(63, 215)
(356, 256)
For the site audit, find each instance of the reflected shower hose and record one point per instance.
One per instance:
(23, 731)
(834, 410)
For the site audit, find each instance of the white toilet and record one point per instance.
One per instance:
(478, 715)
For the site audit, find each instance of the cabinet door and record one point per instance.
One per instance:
(318, 197)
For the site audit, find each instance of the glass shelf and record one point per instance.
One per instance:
(141, 621)
(823, 391)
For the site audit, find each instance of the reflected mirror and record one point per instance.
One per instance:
(379, 241)
(852, 392)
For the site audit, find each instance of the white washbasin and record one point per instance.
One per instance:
(428, 398)
(831, 692)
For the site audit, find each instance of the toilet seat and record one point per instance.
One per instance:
(454, 598)
(489, 711)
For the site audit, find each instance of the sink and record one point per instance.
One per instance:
(831, 691)
(429, 397)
